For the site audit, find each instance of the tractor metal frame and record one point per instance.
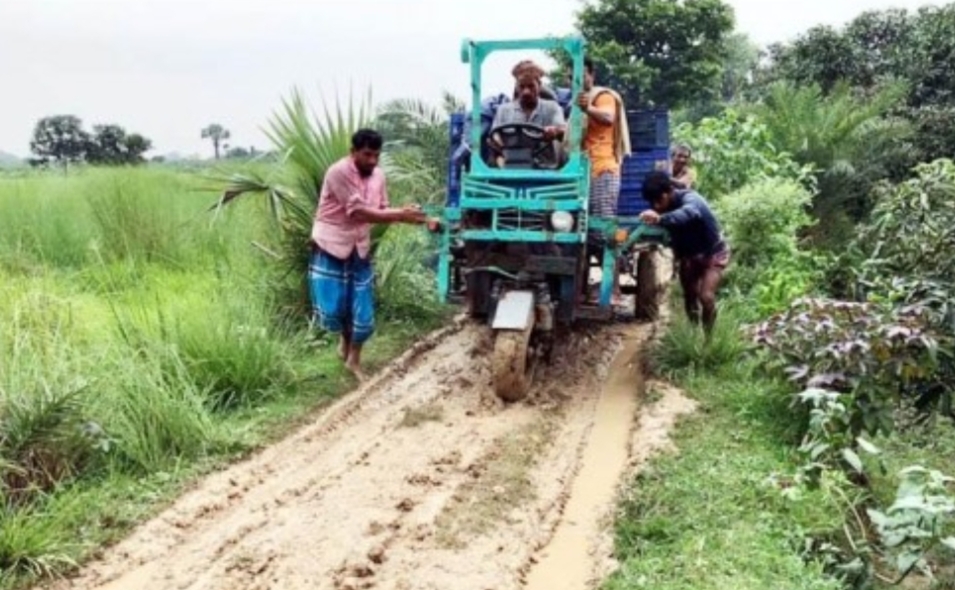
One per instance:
(526, 277)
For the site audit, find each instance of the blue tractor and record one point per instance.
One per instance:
(516, 243)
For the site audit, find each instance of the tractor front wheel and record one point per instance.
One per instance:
(512, 364)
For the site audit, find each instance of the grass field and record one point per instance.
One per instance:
(142, 345)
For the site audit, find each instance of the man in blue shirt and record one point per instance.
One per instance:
(696, 239)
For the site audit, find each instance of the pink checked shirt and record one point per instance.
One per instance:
(344, 190)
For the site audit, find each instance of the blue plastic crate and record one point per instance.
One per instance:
(649, 129)
(456, 131)
(631, 206)
(636, 166)
(634, 170)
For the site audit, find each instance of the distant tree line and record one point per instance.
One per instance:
(62, 140)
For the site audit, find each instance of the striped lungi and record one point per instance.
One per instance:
(604, 193)
(343, 294)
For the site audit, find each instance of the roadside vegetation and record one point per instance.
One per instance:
(821, 456)
(149, 335)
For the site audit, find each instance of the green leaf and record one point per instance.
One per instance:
(949, 542)
(852, 459)
(907, 561)
(867, 446)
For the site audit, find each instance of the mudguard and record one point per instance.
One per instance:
(514, 311)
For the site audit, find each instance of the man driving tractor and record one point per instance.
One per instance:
(529, 107)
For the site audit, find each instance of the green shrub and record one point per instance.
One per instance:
(762, 222)
(907, 262)
(684, 347)
(867, 353)
(231, 352)
(405, 287)
(731, 151)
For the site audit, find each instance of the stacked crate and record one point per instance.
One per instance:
(650, 150)
(455, 156)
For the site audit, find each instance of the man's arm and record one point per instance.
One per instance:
(493, 140)
(339, 186)
(367, 214)
(556, 122)
(603, 111)
(687, 212)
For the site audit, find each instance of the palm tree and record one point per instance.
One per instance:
(846, 136)
(308, 145)
(217, 133)
(418, 143)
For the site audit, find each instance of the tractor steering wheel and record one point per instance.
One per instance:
(524, 145)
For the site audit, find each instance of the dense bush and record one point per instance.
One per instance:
(731, 151)
(866, 352)
(762, 222)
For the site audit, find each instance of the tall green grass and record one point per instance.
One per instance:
(684, 348)
(109, 216)
(143, 333)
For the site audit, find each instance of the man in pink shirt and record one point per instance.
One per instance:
(341, 277)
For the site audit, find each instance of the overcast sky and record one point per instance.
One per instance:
(167, 68)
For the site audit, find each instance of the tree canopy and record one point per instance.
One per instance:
(661, 52)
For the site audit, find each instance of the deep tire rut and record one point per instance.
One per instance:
(421, 479)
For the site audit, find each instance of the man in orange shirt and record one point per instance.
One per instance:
(607, 142)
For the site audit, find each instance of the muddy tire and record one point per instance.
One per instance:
(512, 365)
(647, 306)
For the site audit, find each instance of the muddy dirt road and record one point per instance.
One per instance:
(421, 479)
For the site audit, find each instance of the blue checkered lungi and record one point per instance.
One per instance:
(604, 194)
(343, 294)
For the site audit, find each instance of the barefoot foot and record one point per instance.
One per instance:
(355, 369)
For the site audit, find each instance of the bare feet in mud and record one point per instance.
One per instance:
(355, 369)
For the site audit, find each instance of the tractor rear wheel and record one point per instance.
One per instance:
(646, 306)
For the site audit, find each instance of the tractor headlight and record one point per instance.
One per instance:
(562, 221)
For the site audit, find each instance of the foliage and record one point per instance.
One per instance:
(43, 439)
(877, 46)
(417, 146)
(110, 145)
(732, 150)
(739, 67)
(685, 347)
(62, 139)
(843, 135)
(918, 519)
(403, 283)
(139, 348)
(59, 138)
(870, 354)
(830, 440)
(912, 234)
(661, 52)
(215, 133)
(905, 252)
(762, 222)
